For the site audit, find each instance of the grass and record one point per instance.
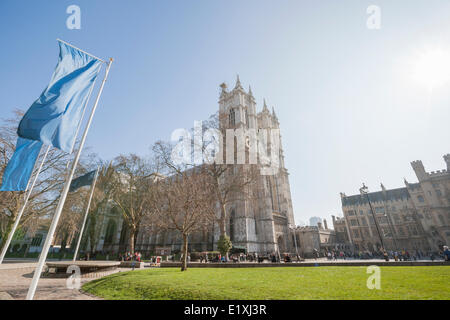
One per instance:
(287, 283)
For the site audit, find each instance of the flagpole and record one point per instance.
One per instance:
(59, 208)
(22, 210)
(85, 215)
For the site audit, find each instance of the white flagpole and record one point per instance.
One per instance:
(22, 210)
(85, 215)
(62, 199)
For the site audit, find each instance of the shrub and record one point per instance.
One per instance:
(224, 245)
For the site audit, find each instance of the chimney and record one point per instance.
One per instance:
(319, 224)
(325, 224)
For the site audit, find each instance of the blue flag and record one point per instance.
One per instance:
(20, 166)
(82, 181)
(53, 118)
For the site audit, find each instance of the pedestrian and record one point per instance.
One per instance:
(446, 253)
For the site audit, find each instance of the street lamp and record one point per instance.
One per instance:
(364, 190)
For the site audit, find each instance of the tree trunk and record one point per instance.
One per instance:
(132, 234)
(222, 221)
(185, 253)
(223, 225)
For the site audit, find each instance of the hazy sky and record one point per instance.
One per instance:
(350, 108)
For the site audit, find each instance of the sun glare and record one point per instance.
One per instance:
(432, 68)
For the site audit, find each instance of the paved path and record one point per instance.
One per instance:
(15, 279)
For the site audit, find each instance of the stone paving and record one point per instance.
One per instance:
(15, 279)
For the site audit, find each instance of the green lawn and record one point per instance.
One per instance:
(274, 283)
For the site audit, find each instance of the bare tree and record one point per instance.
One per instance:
(102, 199)
(45, 196)
(132, 185)
(228, 182)
(181, 201)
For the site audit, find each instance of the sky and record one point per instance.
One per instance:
(351, 104)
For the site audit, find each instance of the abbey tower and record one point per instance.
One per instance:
(263, 225)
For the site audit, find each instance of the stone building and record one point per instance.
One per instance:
(415, 217)
(311, 239)
(342, 237)
(261, 226)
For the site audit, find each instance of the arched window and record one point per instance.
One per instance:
(232, 117)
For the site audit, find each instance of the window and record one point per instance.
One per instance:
(439, 193)
(351, 212)
(354, 223)
(421, 199)
(386, 232)
(379, 209)
(232, 117)
(36, 242)
(356, 233)
(361, 212)
(382, 220)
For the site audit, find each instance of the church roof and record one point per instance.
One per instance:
(379, 196)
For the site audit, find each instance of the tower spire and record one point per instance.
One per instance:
(274, 115)
(265, 109)
(238, 84)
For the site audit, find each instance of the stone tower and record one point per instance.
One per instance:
(419, 169)
(260, 226)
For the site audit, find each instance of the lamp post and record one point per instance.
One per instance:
(364, 191)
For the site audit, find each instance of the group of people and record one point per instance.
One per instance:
(245, 257)
(397, 255)
(128, 256)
